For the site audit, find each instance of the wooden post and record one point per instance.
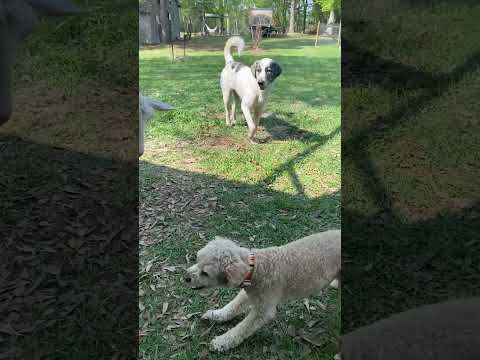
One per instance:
(340, 33)
(173, 54)
(318, 31)
(184, 44)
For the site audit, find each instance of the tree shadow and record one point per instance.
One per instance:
(405, 265)
(279, 129)
(354, 147)
(66, 221)
(400, 264)
(316, 141)
(361, 67)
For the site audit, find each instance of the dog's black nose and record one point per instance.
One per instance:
(261, 83)
(187, 279)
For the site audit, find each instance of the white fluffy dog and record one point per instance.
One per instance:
(267, 277)
(250, 84)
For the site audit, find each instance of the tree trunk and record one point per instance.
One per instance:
(165, 33)
(291, 25)
(331, 18)
(305, 5)
(175, 15)
(154, 33)
(318, 32)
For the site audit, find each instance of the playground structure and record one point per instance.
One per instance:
(333, 31)
(261, 23)
(221, 24)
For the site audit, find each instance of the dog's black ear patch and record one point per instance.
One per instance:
(254, 68)
(276, 69)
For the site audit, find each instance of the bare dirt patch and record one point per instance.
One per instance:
(94, 119)
(225, 143)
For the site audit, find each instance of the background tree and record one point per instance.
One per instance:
(329, 6)
(291, 23)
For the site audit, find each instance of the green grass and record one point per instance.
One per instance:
(408, 154)
(70, 68)
(200, 179)
(71, 97)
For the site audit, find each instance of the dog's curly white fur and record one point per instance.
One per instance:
(251, 85)
(296, 270)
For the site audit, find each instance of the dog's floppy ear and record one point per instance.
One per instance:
(276, 69)
(235, 272)
(254, 69)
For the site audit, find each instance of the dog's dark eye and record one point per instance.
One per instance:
(203, 273)
(269, 70)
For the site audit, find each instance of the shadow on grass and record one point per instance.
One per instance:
(405, 265)
(400, 264)
(433, 88)
(66, 221)
(281, 130)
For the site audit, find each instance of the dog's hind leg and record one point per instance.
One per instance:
(226, 101)
(234, 308)
(252, 126)
(233, 114)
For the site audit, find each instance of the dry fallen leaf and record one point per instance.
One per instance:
(307, 305)
(164, 308)
(312, 323)
(203, 354)
(169, 268)
(173, 326)
(306, 351)
(315, 337)
(291, 331)
(193, 314)
(206, 331)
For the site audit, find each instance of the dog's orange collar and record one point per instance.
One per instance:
(247, 281)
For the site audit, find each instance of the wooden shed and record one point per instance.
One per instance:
(159, 21)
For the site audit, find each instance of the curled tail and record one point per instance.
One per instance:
(236, 41)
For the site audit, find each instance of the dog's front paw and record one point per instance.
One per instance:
(214, 315)
(220, 344)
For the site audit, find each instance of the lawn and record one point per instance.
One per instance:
(408, 129)
(199, 179)
(75, 111)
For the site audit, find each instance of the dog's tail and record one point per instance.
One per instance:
(236, 41)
